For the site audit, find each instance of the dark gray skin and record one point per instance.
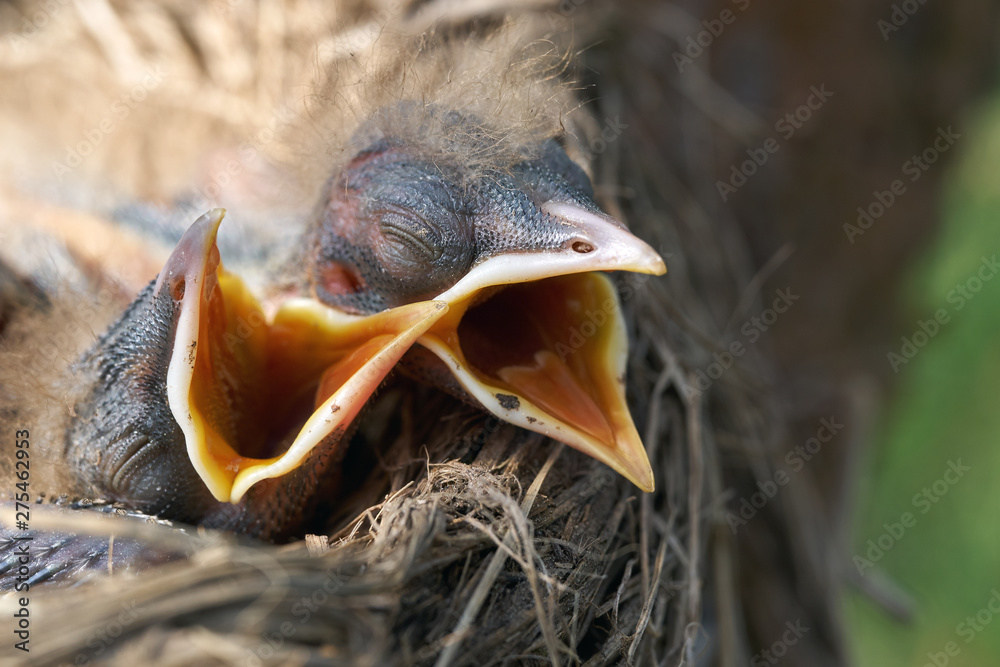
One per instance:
(63, 557)
(125, 445)
(396, 227)
(393, 227)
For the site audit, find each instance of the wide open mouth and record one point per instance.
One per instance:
(549, 356)
(255, 398)
(539, 340)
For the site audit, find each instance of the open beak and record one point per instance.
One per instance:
(255, 398)
(539, 340)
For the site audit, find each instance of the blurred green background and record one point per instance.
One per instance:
(945, 408)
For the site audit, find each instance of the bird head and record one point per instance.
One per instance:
(532, 333)
(198, 396)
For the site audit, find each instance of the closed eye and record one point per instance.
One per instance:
(414, 240)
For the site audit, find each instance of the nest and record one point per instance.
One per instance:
(466, 541)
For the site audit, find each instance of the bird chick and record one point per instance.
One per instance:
(194, 406)
(200, 410)
(532, 334)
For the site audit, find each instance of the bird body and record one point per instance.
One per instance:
(453, 225)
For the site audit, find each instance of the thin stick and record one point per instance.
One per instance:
(694, 508)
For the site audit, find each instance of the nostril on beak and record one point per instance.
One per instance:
(582, 247)
(177, 292)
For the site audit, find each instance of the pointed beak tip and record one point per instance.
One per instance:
(192, 254)
(200, 237)
(642, 478)
(638, 472)
(207, 224)
(647, 259)
(632, 462)
(658, 267)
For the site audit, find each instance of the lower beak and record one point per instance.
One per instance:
(539, 340)
(550, 357)
(255, 398)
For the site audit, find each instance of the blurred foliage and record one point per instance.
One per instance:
(945, 409)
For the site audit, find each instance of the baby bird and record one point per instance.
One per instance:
(531, 334)
(194, 406)
(194, 396)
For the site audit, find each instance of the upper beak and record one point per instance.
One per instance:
(548, 352)
(600, 243)
(255, 398)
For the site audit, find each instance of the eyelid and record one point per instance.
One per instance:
(412, 230)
